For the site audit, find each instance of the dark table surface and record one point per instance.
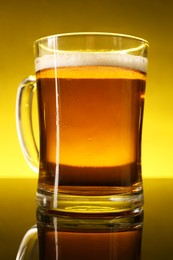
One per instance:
(18, 206)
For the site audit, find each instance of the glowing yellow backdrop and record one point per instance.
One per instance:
(22, 22)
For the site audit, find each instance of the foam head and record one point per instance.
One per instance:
(67, 59)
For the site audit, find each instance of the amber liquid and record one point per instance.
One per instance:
(90, 129)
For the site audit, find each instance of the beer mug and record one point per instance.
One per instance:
(77, 236)
(90, 90)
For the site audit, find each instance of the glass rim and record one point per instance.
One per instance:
(108, 34)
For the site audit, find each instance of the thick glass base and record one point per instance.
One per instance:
(70, 203)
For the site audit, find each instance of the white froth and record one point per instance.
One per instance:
(66, 59)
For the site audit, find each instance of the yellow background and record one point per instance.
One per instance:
(22, 22)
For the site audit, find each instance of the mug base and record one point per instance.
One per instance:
(123, 201)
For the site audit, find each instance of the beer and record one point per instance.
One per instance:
(90, 114)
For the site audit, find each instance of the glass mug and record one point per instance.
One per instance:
(90, 91)
(80, 236)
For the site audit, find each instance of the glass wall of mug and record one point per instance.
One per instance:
(90, 90)
(81, 236)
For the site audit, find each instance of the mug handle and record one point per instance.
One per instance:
(24, 105)
(28, 249)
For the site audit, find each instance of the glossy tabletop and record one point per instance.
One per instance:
(18, 206)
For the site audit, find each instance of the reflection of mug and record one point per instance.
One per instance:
(77, 237)
(90, 90)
